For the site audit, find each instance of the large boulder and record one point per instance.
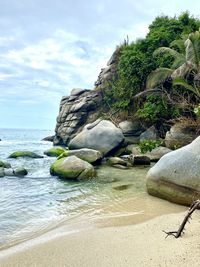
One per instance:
(28, 154)
(180, 135)
(72, 168)
(150, 134)
(89, 155)
(176, 176)
(131, 128)
(102, 135)
(55, 151)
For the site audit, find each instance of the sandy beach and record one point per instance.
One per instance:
(142, 244)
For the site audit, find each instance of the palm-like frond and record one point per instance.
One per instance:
(158, 76)
(184, 83)
(182, 70)
(166, 50)
(192, 49)
(178, 62)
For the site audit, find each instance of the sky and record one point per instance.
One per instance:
(49, 47)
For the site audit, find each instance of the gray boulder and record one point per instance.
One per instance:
(180, 135)
(150, 134)
(20, 172)
(8, 172)
(176, 176)
(131, 128)
(72, 168)
(103, 136)
(89, 155)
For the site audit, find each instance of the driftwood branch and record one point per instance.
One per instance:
(195, 205)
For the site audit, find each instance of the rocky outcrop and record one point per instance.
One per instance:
(101, 135)
(80, 108)
(72, 168)
(109, 73)
(83, 106)
(176, 176)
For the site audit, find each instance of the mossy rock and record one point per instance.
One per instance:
(55, 151)
(4, 164)
(72, 168)
(29, 154)
(89, 155)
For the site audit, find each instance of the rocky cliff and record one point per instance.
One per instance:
(83, 106)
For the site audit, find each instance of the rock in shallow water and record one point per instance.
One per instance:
(4, 164)
(176, 176)
(55, 151)
(89, 155)
(28, 154)
(72, 168)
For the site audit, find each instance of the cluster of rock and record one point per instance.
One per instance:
(101, 141)
(7, 170)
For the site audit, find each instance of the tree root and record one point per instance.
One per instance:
(195, 205)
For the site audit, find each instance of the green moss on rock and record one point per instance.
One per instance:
(55, 151)
(29, 154)
(72, 168)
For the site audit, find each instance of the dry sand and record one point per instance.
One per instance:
(133, 245)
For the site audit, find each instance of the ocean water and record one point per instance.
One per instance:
(37, 202)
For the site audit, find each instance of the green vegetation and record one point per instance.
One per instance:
(148, 145)
(167, 61)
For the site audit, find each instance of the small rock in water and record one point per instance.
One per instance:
(20, 172)
(5, 164)
(122, 187)
(2, 174)
(29, 154)
(8, 172)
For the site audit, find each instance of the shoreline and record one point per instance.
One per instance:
(142, 244)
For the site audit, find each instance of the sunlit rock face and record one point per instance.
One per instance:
(176, 176)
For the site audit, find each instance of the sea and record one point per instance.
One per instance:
(38, 202)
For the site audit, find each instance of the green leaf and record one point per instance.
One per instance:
(184, 83)
(157, 77)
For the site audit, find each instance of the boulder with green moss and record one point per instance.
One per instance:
(72, 168)
(89, 155)
(28, 154)
(55, 151)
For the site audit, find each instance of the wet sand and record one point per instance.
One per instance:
(138, 245)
